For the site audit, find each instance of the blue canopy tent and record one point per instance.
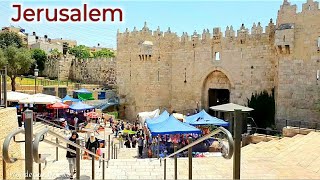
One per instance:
(82, 91)
(162, 117)
(203, 118)
(68, 98)
(172, 126)
(79, 106)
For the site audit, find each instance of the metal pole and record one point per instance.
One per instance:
(190, 158)
(109, 139)
(111, 149)
(57, 149)
(39, 167)
(116, 154)
(175, 164)
(5, 87)
(237, 143)
(35, 84)
(103, 166)
(4, 169)
(165, 169)
(78, 160)
(28, 144)
(93, 158)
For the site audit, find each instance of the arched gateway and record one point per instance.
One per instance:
(216, 89)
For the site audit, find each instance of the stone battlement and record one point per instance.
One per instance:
(256, 29)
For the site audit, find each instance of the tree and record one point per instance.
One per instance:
(106, 53)
(80, 52)
(8, 38)
(18, 61)
(40, 57)
(264, 109)
(55, 52)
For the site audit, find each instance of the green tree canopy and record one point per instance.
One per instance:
(264, 109)
(18, 61)
(40, 56)
(55, 52)
(80, 52)
(8, 38)
(104, 53)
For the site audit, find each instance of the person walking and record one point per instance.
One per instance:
(72, 156)
(140, 145)
(92, 143)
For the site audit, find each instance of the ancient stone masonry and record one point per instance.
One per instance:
(97, 71)
(162, 70)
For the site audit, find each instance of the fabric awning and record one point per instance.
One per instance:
(148, 115)
(40, 99)
(13, 96)
(203, 118)
(230, 107)
(173, 126)
(79, 106)
(83, 91)
(58, 105)
(162, 117)
(68, 98)
(85, 96)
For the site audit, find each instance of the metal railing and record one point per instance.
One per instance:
(267, 132)
(6, 143)
(32, 148)
(226, 152)
(53, 124)
(302, 124)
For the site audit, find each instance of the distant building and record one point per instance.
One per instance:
(71, 43)
(47, 46)
(18, 30)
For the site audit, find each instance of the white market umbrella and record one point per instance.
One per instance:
(230, 107)
(13, 96)
(40, 99)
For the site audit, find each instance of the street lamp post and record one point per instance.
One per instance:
(36, 71)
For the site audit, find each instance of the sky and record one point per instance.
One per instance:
(180, 15)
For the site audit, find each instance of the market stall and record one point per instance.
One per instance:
(142, 116)
(203, 118)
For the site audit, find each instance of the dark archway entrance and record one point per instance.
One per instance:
(218, 97)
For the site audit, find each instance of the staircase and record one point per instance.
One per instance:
(287, 158)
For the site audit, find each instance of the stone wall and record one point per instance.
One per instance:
(8, 123)
(298, 60)
(177, 72)
(94, 71)
(160, 69)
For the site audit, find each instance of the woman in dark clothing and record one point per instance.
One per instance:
(92, 143)
(72, 156)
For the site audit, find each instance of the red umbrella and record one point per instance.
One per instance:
(58, 105)
(92, 114)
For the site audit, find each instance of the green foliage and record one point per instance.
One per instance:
(106, 53)
(55, 52)
(10, 39)
(80, 52)
(40, 56)
(264, 109)
(18, 61)
(3, 60)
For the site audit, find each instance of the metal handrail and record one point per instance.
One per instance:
(6, 143)
(46, 130)
(226, 155)
(36, 141)
(53, 124)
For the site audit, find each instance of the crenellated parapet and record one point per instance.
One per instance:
(241, 36)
